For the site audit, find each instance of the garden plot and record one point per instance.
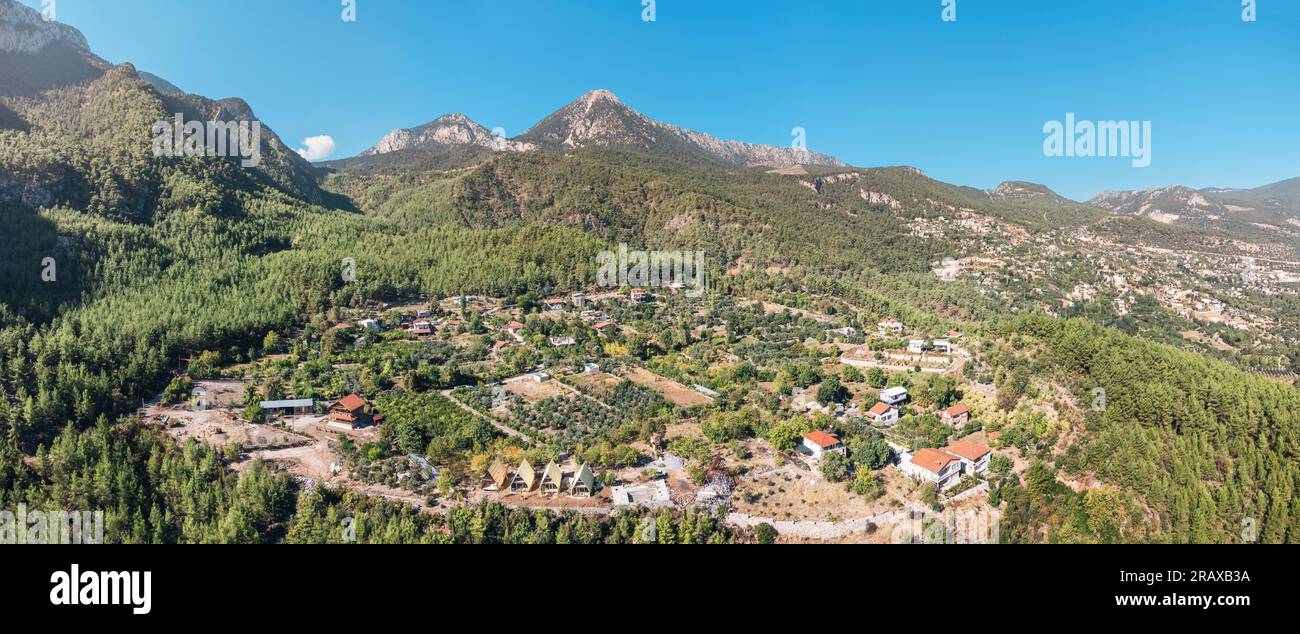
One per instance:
(675, 392)
(534, 391)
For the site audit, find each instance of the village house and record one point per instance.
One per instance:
(894, 396)
(883, 414)
(369, 324)
(820, 442)
(579, 299)
(602, 326)
(917, 346)
(956, 416)
(638, 294)
(974, 457)
(561, 342)
(942, 345)
(422, 328)
(513, 328)
(352, 412)
(539, 377)
(890, 326)
(932, 465)
(556, 304)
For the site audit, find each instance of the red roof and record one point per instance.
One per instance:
(514, 325)
(968, 449)
(957, 410)
(601, 325)
(351, 403)
(932, 459)
(822, 439)
(879, 409)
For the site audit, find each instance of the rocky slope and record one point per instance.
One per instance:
(600, 119)
(24, 30)
(447, 130)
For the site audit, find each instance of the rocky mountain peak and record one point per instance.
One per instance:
(447, 130)
(25, 30)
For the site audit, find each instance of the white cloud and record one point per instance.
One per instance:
(318, 147)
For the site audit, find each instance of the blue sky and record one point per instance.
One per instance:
(874, 82)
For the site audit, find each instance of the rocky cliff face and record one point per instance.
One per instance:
(600, 119)
(452, 129)
(25, 30)
(1174, 204)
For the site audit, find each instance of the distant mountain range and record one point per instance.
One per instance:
(600, 119)
(1271, 207)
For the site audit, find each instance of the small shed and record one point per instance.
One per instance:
(293, 407)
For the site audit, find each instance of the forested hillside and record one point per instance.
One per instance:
(156, 260)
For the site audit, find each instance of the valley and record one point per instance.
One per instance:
(414, 339)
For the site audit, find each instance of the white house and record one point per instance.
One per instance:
(894, 396)
(560, 342)
(820, 442)
(916, 346)
(943, 345)
(974, 457)
(890, 326)
(932, 465)
(579, 299)
(368, 324)
(883, 414)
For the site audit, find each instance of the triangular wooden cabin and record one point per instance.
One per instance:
(497, 476)
(525, 478)
(552, 479)
(584, 484)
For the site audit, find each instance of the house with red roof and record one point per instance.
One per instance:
(932, 465)
(974, 456)
(945, 467)
(820, 442)
(956, 416)
(352, 412)
(882, 414)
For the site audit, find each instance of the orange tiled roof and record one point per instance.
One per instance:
(968, 449)
(822, 439)
(932, 459)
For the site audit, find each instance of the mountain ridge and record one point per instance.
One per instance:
(600, 119)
